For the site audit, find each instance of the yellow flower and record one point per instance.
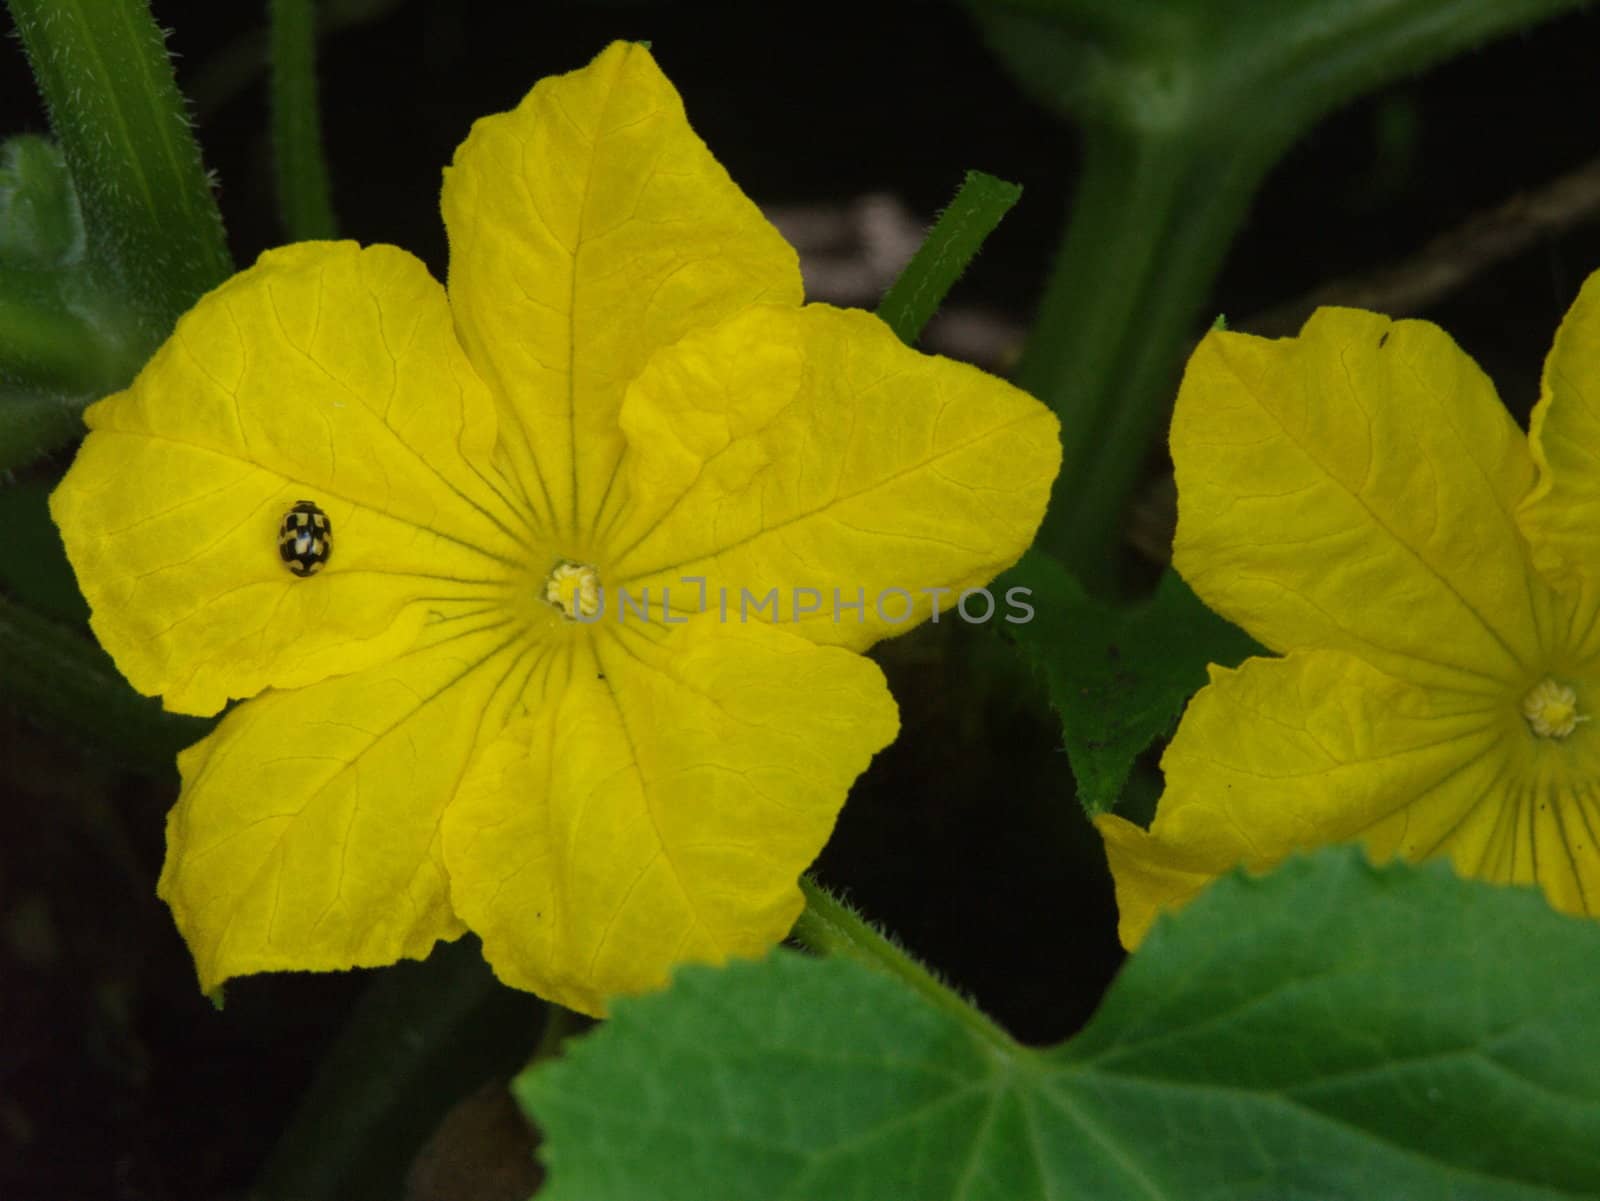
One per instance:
(618, 390)
(1359, 500)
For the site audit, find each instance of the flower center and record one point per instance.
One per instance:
(1552, 709)
(574, 588)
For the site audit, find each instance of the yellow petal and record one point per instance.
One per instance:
(307, 833)
(324, 373)
(809, 449)
(1562, 514)
(1316, 748)
(659, 804)
(1354, 488)
(587, 228)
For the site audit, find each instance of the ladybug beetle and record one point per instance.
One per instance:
(305, 538)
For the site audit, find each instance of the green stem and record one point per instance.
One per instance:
(234, 67)
(830, 927)
(1149, 225)
(1184, 108)
(421, 1037)
(302, 172)
(560, 1024)
(945, 253)
(153, 231)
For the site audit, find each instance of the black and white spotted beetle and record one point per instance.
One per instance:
(305, 538)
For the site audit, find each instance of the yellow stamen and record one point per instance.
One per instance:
(1552, 709)
(574, 588)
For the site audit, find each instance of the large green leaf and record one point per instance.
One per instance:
(1117, 677)
(1330, 1031)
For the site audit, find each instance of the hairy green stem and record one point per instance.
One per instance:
(830, 927)
(154, 235)
(945, 253)
(304, 200)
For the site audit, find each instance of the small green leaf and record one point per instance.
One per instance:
(63, 338)
(1117, 678)
(154, 236)
(64, 341)
(1330, 1031)
(69, 330)
(40, 225)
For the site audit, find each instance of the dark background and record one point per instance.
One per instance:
(117, 1079)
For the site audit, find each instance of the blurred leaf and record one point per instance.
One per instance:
(1330, 1031)
(34, 567)
(64, 341)
(1118, 678)
(33, 424)
(56, 676)
(40, 225)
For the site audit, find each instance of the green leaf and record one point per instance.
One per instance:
(1330, 1031)
(1118, 678)
(951, 245)
(119, 232)
(40, 225)
(65, 339)
(63, 342)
